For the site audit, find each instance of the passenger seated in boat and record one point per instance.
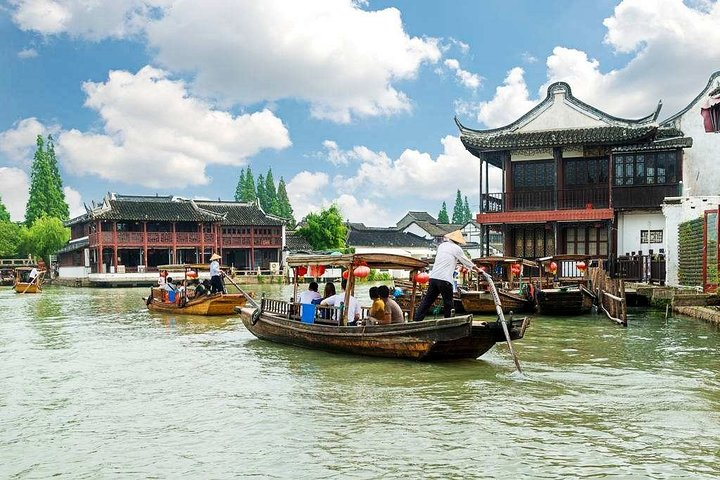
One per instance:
(328, 292)
(353, 307)
(200, 289)
(392, 311)
(377, 310)
(309, 295)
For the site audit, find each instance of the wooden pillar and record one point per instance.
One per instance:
(252, 248)
(557, 155)
(201, 258)
(507, 184)
(145, 245)
(99, 259)
(115, 245)
(480, 186)
(174, 243)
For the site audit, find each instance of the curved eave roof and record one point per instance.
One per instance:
(672, 119)
(240, 213)
(171, 211)
(665, 144)
(610, 135)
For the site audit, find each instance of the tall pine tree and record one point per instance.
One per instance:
(239, 188)
(443, 215)
(59, 207)
(286, 210)
(458, 209)
(272, 197)
(249, 192)
(46, 193)
(468, 212)
(262, 193)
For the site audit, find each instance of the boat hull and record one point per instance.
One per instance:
(440, 339)
(219, 304)
(559, 301)
(24, 287)
(483, 302)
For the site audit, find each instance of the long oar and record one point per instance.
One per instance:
(248, 297)
(498, 308)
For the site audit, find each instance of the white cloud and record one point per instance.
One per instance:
(469, 80)
(305, 192)
(334, 154)
(27, 53)
(14, 190)
(18, 144)
(528, 57)
(94, 20)
(341, 59)
(665, 37)
(74, 201)
(364, 211)
(511, 101)
(155, 134)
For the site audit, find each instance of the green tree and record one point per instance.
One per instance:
(239, 188)
(286, 210)
(325, 230)
(9, 239)
(262, 193)
(249, 192)
(272, 197)
(46, 194)
(468, 212)
(443, 215)
(4, 214)
(46, 236)
(458, 209)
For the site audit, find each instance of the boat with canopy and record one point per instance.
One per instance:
(25, 282)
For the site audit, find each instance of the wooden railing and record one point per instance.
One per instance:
(547, 199)
(640, 268)
(193, 239)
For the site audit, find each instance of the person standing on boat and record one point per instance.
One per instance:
(448, 255)
(216, 283)
(33, 273)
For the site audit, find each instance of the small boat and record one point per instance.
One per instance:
(512, 278)
(431, 339)
(564, 291)
(185, 301)
(24, 283)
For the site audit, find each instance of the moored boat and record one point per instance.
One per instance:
(513, 280)
(565, 290)
(431, 339)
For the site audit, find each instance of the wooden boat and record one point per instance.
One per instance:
(23, 282)
(564, 290)
(509, 285)
(188, 304)
(431, 339)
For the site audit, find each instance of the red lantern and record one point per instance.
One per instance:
(553, 267)
(192, 274)
(581, 266)
(362, 271)
(317, 270)
(515, 268)
(422, 277)
(301, 270)
(345, 274)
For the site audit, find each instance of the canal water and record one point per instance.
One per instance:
(92, 385)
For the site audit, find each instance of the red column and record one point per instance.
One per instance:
(145, 245)
(202, 243)
(115, 245)
(100, 247)
(174, 243)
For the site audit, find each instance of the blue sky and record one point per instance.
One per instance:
(351, 102)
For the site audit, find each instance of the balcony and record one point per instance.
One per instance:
(546, 199)
(184, 239)
(643, 196)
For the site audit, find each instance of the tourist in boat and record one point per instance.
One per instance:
(448, 255)
(216, 283)
(377, 310)
(353, 307)
(200, 288)
(392, 311)
(329, 290)
(309, 295)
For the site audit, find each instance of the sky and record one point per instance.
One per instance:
(350, 102)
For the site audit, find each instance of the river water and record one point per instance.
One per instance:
(92, 385)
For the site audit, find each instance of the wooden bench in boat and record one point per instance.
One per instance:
(324, 314)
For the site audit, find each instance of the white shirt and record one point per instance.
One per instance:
(214, 268)
(446, 259)
(33, 273)
(353, 310)
(308, 296)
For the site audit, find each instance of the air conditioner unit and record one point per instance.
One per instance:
(274, 267)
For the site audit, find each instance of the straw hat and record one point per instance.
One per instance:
(456, 236)
(215, 256)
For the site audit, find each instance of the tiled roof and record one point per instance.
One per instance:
(163, 209)
(237, 213)
(297, 243)
(75, 245)
(606, 135)
(385, 237)
(669, 144)
(438, 229)
(415, 216)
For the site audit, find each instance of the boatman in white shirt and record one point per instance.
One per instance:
(216, 283)
(448, 255)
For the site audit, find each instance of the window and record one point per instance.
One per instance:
(711, 116)
(586, 241)
(586, 171)
(655, 168)
(651, 236)
(531, 175)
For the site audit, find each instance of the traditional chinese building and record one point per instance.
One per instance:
(576, 180)
(127, 233)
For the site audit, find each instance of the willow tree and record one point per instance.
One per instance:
(4, 214)
(325, 230)
(46, 236)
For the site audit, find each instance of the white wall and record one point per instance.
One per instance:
(629, 226)
(415, 229)
(73, 272)
(677, 211)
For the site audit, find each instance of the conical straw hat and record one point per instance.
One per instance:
(456, 236)
(215, 256)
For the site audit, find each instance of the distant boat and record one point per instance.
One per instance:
(431, 339)
(564, 291)
(25, 284)
(185, 303)
(508, 284)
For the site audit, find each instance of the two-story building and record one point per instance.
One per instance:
(130, 233)
(577, 180)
